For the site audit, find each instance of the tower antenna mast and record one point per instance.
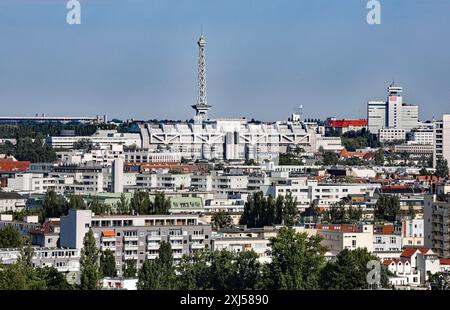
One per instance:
(201, 107)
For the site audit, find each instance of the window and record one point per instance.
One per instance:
(354, 243)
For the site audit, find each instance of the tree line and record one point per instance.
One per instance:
(260, 211)
(56, 205)
(297, 262)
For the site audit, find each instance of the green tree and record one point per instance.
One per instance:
(83, 144)
(442, 168)
(247, 271)
(221, 219)
(439, 281)
(193, 271)
(349, 271)
(290, 213)
(140, 203)
(99, 208)
(379, 156)
(10, 238)
(129, 269)
(279, 205)
(387, 207)
(160, 205)
(77, 202)
(89, 261)
(296, 261)
(148, 277)
(330, 158)
(54, 279)
(160, 273)
(108, 264)
(122, 206)
(54, 205)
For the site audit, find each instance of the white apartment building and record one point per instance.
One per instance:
(412, 267)
(376, 114)
(387, 244)
(136, 237)
(31, 183)
(102, 139)
(392, 113)
(103, 156)
(422, 135)
(415, 150)
(332, 144)
(391, 134)
(64, 260)
(413, 232)
(230, 139)
(337, 237)
(442, 139)
(261, 246)
(224, 205)
(324, 194)
(11, 201)
(142, 155)
(173, 181)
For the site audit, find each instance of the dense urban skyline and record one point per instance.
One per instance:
(263, 58)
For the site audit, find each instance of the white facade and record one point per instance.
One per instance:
(230, 139)
(64, 260)
(391, 134)
(325, 194)
(422, 135)
(339, 237)
(11, 202)
(140, 155)
(442, 139)
(393, 113)
(102, 139)
(260, 246)
(413, 232)
(376, 114)
(387, 243)
(117, 175)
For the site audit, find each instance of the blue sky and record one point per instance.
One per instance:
(137, 58)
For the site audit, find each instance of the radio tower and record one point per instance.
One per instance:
(201, 108)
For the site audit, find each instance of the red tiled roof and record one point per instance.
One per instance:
(13, 165)
(347, 123)
(410, 251)
(444, 261)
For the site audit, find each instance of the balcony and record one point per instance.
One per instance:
(197, 237)
(176, 237)
(131, 247)
(130, 238)
(108, 239)
(197, 246)
(152, 256)
(153, 246)
(153, 237)
(130, 256)
(108, 247)
(177, 246)
(177, 255)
